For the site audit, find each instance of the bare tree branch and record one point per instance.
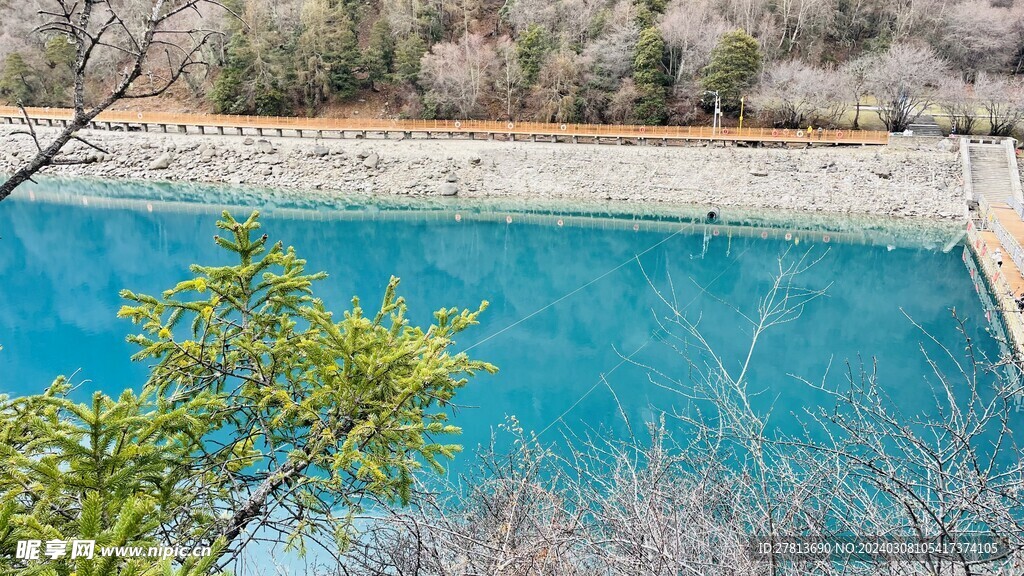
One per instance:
(91, 24)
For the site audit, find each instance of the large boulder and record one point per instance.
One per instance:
(264, 146)
(162, 162)
(448, 189)
(371, 160)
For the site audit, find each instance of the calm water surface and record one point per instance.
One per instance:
(61, 268)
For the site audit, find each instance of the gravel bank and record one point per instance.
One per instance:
(899, 180)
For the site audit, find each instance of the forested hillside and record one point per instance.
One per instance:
(793, 62)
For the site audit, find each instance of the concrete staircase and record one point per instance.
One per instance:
(992, 175)
(925, 125)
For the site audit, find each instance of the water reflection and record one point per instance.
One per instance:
(62, 266)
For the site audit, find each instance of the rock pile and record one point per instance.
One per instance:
(891, 181)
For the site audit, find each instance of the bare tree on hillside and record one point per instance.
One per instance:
(457, 75)
(576, 18)
(912, 18)
(903, 81)
(151, 52)
(509, 79)
(853, 79)
(792, 94)
(690, 30)
(622, 106)
(958, 100)
(802, 18)
(977, 37)
(609, 59)
(1002, 98)
(521, 14)
(558, 86)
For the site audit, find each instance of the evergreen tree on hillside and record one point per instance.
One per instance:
(255, 78)
(59, 52)
(380, 53)
(650, 78)
(735, 64)
(327, 54)
(59, 56)
(647, 12)
(17, 81)
(531, 49)
(408, 53)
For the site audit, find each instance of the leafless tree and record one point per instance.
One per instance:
(1002, 99)
(958, 100)
(456, 75)
(576, 19)
(977, 36)
(802, 18)
(403, 15)
(524, 13)
(506, 517)
(606, 63)
(853, 78)
(792, 94)
(690, 30)
(909, 18)
(509, 78)
(623, 103)
(745, 14)
(903, 81)
(145, 40)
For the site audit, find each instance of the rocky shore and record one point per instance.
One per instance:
(897, 180)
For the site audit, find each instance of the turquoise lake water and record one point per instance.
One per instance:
(61, 267)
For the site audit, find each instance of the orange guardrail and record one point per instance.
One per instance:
(468, 126)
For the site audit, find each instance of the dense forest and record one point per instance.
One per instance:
(792, 62)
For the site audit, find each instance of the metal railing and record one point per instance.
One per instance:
(1013, 248)
(1016, 205)
(467, 126)
(999, 320)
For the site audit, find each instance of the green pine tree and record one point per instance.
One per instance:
(531, 49)
(326, 52)
(110, 471)
(408, 53)
(256, 77)
(59, 55)
(650, 78)
(735, 64)
(17, 81)
(380, 53)
(259, 402)
(59, 52)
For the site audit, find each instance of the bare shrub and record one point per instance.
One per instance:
(695, 500)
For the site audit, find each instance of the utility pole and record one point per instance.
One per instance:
(716, 122)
